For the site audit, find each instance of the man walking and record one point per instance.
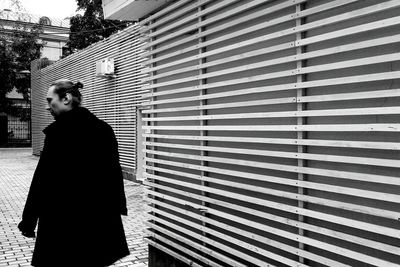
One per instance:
(77, 193)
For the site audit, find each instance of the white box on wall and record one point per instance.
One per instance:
(105, 67)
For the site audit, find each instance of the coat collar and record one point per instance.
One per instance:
(75, 115)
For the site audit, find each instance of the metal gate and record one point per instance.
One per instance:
(16, 127)
(19, 131)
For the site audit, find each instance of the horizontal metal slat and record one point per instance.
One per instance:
(246, 234)
(285, 141)
(285, 114)
(283, 220)
(382, 127)
(304, 56)
(228, 238)
(284, 194)
(281, 154)
(306, 41)
(212, 242)
(285, 234)
(280, 87)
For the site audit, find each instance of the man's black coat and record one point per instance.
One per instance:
(77, 195)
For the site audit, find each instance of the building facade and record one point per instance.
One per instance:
(55, 31)
(16, 126)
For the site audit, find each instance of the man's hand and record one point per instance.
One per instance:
(25, 231)
(29, 234)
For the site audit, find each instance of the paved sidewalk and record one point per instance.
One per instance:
(16, 170)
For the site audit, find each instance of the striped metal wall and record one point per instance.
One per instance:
(115, 100)
(272, 132)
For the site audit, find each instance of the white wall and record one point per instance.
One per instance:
(52, 50)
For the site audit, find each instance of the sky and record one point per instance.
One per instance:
(50, 8)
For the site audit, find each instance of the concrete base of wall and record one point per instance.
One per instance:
(158, 258)
(129, 174)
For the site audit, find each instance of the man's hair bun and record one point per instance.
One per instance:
(64, 86)
(78, 85)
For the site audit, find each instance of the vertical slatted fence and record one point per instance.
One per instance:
(272, 132)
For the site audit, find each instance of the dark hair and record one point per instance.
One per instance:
(64, 86)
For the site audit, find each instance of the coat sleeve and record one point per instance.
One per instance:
(117, 177)
(30, 213)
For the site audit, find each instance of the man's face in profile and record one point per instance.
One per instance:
(56, 106)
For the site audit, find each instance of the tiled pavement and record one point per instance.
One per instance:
(16, 170)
